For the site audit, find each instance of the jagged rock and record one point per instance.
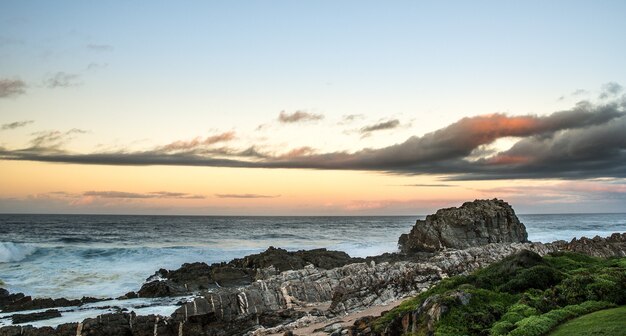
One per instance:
(239, 272)
(422, 320)
(475, 223)
(283, 260)
(18, 302)
(160, 288)
(45, 315)
(7, 299)
(361, 326)
(613, 246)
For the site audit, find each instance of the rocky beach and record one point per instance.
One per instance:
(309, 292)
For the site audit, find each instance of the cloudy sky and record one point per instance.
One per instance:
(311, 107)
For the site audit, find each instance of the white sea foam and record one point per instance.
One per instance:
(12, 252)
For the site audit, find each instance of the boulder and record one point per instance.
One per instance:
(475, 223)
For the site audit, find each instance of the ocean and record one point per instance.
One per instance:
(107, 256)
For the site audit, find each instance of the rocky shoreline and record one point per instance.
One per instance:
(278, 291)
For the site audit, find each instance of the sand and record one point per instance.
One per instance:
(345, 320)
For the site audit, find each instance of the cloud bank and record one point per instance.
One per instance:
(586, 141)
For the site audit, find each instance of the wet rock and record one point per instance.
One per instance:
(19, 302)
(8, 299)
(473, 224)
(162, 288)
(45, 315)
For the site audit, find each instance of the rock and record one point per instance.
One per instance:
(473, 224)
(7, 299)
(613, 246)
(159, 288)
(23, 318)
(199, 276)
(282, 260)
(18, 302)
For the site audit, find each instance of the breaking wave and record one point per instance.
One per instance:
(12, 252)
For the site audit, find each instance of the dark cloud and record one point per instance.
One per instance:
(130, 195)
(245, 196)
(610, 89)
(383, 125)
(99, 47)
(11, 88)
(61, 80)
(298, 116)
(585, 141)
(15, 125)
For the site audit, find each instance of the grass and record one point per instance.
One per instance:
(609, 322)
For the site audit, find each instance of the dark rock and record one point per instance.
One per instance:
(422, 320)
(7, 299)
(192, 277)
(43, 331)
(11, 331)
(361, 326)
(282, 260)
(23, 318)
(613, 246)
(161, 288)
(473, 224)
(28, 303)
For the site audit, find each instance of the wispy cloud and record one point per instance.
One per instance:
(429, 185)
(298, 116)
(245, 196)
(15, 125)
(131, 195)
(198, 142)
(350, 118)
(45, 140)
(99, 47)
(62, 80)
(610, 89)
(12, 88)
(383, 125)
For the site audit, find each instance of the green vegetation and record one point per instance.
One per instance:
(610, 322)
(522, 295)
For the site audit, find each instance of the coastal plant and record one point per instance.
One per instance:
(524, 294)
(538, 325)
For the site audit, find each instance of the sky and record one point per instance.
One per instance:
(311, 107)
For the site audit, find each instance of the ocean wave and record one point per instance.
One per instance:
(73, 240)
(12, 252)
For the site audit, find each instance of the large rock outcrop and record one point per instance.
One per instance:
(238, 272)
(475, 223)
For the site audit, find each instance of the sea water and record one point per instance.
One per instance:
(106, 256)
